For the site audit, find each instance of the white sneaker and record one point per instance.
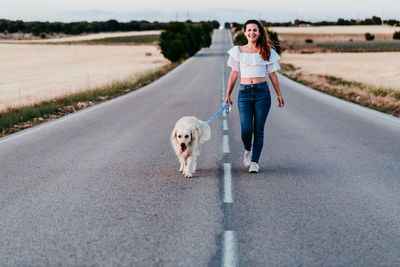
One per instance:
(247, 158)
(254, 167)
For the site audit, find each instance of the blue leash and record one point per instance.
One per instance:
(226, 106)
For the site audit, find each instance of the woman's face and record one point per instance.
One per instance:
(252, 33)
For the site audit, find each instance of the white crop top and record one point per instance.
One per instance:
(251, 64)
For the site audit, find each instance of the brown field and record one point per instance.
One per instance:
(83, 37)
(33, 73)
(333, 33)
(381, 70)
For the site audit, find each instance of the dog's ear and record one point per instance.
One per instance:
(173, 135)
(192, 136)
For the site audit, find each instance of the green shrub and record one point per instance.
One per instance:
(396, 35)
(240, 39)
(273, 36)
(171, 47)
(182, 40)
(369, 37)
(309, 41)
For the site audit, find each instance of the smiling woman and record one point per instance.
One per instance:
(253, 60)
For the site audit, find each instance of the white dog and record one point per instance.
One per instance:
(186, 138)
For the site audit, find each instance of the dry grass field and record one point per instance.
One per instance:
(33, 73)
(381, 70)
(333, 33)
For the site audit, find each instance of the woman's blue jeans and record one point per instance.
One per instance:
(254, 103)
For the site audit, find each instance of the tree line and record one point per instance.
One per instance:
(37, 27)
(374, 20)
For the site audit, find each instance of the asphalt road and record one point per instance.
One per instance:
(102, 186)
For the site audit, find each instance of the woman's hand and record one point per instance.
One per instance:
(228, 100)
(281, 102)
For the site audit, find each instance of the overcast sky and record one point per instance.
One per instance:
(167, 10)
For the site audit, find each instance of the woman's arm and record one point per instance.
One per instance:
(274, 79)
(232, 80)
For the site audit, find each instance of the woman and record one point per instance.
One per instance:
(253, 60)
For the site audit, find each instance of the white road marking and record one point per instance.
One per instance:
(229, 249)
(224, 125)
(225, 144)
(228, 185)
(229, 239)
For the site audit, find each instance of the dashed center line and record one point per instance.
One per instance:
(229, 255)
(224, 125)
(225, 144)
(228, 185)
(229, 249)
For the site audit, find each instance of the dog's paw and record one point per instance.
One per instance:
(188, 174)
(181, 169)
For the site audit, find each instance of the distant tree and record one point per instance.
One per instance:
(298, 22)
(93, 27)
(55, 27)
(275, 24)
(273, 36)
(112, 25)
(396, 35)
(3, 25)
(369, 37)
(240, 39)
(353, 22)
(20, 25)
(238, 28)
(343, 22)
(181, 40)
(36, 30)
(391, 22)
(12, 27)
(376, 20)
(323, 23)
(79, 27)
(366, 22)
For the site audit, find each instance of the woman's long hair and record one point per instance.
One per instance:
(263, 42)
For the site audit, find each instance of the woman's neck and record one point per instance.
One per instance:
(252, 45)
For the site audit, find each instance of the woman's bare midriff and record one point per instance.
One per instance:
(252, 80)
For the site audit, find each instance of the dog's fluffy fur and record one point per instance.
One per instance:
(186, 140)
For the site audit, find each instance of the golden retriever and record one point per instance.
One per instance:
(186, 138)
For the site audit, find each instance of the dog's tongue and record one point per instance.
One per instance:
(183, 149)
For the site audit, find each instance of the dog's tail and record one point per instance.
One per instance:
(205, 133)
